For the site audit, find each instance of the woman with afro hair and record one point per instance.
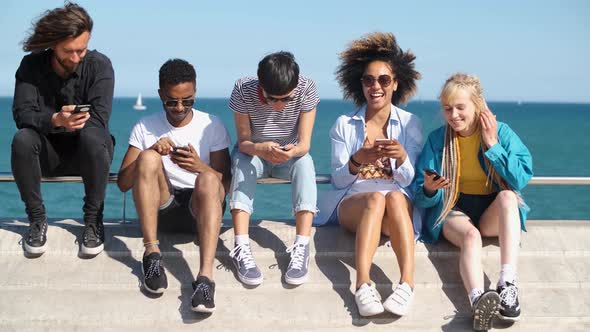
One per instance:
(374, 149)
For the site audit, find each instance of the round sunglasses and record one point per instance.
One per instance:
(384, 80)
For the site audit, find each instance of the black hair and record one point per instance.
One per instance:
(57, 25)
(376, 46)
(278, 73)
(176, 71)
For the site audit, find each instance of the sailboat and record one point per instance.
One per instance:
(138, 105)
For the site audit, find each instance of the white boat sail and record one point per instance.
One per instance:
(138, 105)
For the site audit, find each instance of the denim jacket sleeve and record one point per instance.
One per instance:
(404, 174)
(511, 158)
(341, 150)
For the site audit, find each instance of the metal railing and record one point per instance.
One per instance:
(320, 179)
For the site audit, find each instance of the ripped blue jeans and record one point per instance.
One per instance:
(246, 169)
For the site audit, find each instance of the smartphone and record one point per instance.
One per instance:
(176, 148)
(81, 108)
(384, 141)
(430, 171)
(282, 147)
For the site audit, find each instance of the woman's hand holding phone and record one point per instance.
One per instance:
(433, 181)
(391, 148)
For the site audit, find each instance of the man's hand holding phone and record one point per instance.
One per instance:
(72, 117)
(186, 157)
(163, 146)
(433, 181)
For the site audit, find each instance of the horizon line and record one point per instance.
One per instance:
(521, 101)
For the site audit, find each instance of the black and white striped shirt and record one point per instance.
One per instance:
(267, 124)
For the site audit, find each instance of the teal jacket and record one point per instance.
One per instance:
(509, 157)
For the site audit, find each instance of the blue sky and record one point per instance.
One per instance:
(522, 50)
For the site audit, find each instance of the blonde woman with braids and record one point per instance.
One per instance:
(374, 149)
(482, 165)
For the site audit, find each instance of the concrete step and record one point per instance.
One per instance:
(123, 272)
(267, 307)
(60, 291)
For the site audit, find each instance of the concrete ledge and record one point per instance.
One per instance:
(61, 292)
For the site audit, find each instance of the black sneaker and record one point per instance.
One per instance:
(93, 238)
(485, 309)
(154, 275)
(509, 305)
(36, 238)
(202, 299)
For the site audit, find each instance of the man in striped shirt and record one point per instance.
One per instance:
(274, 116)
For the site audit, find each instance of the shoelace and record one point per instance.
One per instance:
(243, 254)
(153, 269)
(297, 252)
(206, 291)
(369, 294)
(36, 231)
(91, 232)
(401, 295)
(509, 295)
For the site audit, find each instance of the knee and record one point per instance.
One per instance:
(507, 198)
(472, 238)
(375, 201)
(207, 184)
(24, 141)
(148, 163)
(243, 163)
(395, 199)
(95, 142)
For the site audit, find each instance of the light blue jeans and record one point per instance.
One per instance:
(246, 169)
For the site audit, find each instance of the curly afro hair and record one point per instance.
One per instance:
(377, 46)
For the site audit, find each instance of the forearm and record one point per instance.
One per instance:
(125, 178)
(250, 148)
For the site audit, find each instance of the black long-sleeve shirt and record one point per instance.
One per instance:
(39, 92)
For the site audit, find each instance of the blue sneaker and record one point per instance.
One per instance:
(297, 272)
(248, 272)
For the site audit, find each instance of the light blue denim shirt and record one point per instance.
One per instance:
(347, 136)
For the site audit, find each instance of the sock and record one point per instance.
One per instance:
(302, 239)
(241, 239)
(475, 294)
(507, 274)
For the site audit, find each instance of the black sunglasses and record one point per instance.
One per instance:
(384, 80)
(276, 100)
(185, 102)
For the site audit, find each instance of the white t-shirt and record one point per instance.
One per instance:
(205, 132)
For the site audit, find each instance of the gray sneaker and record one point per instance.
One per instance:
(248, 272)
(297, 272)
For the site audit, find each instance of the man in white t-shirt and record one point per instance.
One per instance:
(178, 166)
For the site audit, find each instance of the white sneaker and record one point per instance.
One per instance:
(368, 300)
(400, 300)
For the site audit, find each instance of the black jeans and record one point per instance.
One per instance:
(87, 153)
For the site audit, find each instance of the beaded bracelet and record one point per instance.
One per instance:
(151, 243)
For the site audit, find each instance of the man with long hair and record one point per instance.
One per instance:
(62, 103)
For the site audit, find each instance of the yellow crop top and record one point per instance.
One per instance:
(472, 179)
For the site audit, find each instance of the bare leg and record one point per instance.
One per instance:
(150, 191)
(241, 220)
(206, 206)
(460, 232)
(363, 214)
(398, 225)
(303, 220)
(502, 219)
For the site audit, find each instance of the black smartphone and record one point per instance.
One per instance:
(430, 171)
(81, 108)
(176, 148)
